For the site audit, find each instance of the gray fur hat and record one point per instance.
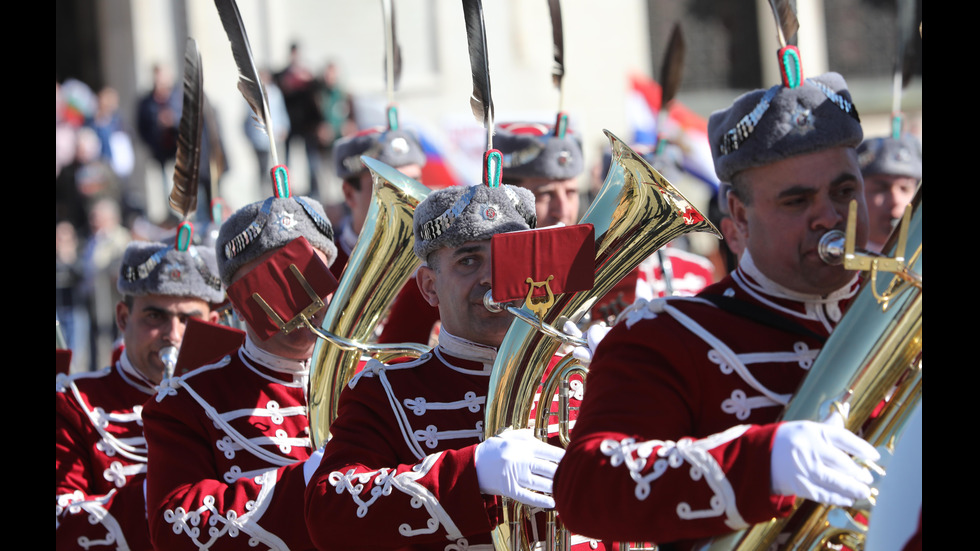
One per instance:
(394, 148)
(150, 268)
(766, 126)
(263, 226)
(901, 157)
(454, 215)
(532, 150)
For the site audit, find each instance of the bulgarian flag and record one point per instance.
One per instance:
(682, 126)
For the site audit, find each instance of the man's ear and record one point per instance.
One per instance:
(426, 280)
(122, 316)
(213, 317)
(739, 215)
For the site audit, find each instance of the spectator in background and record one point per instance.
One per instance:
(101, 255)
(298, 87)
(84, 181)
(158, 118)
(336, 109)
(115, 139)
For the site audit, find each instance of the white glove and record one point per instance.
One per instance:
(813, 461)
(515, 464)
(311, 463)
(594, 334)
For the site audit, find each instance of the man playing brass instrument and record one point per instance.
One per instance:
(228, 441)
(406, 465)
(677, 438)
(100, 451)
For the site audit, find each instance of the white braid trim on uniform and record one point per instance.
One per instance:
(719, 353)
(180, 382)
(406, 482)
(247, 522)
(674, 455)
(75, 503)
(377, 368)
(99, 420)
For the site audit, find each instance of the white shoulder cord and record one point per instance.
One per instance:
(726, 353)
(179, 382)
(127, 451)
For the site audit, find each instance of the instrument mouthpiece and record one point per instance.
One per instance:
(168, 355)
(490, 304)
(831, 247)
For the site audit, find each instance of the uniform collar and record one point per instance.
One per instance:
(133, 376)
(757, 284)
(465, 349)
(297, 369)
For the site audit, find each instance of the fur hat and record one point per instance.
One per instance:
(454, 215)
(263, 226)
(150, 268)
(901, 157)
(766, 126)
(394, 148)
(532, 150)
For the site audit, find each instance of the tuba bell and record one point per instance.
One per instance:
(636, 212)
(873, 357)
(380, 264)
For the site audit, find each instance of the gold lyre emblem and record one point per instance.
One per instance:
(539, 305)
(299, 319)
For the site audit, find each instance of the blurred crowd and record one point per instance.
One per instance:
(103, 201)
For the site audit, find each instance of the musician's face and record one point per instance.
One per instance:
(792, 203)
(887, 196)
(554, 200)
(299, 343)
(359, 200)
(456, 280)
(155, 322)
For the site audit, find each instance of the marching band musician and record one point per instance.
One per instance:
(892, 169)
(397, 148)
(228, 441)
(546, 162)
(534, 157)
(100, 451)
(677, 439)
(406, 465)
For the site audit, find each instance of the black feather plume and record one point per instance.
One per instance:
(672, 70)
(786, 22)
(558, 40)
(183, 195)
(249, 82)
(481, 101)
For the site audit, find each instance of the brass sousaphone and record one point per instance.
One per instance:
(636, 212)
(379, 266)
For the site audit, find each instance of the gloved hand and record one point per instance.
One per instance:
(515, 464)
(311, 463)
(813, 461)
(593, 335)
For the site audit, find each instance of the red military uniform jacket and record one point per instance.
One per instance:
(673, 440)
(227, 444)
(398, 471)
(100, 459)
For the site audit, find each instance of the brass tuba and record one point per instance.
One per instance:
(873, 354)
(380, 264)
(636, 212)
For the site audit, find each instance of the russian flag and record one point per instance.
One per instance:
(437, 172)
